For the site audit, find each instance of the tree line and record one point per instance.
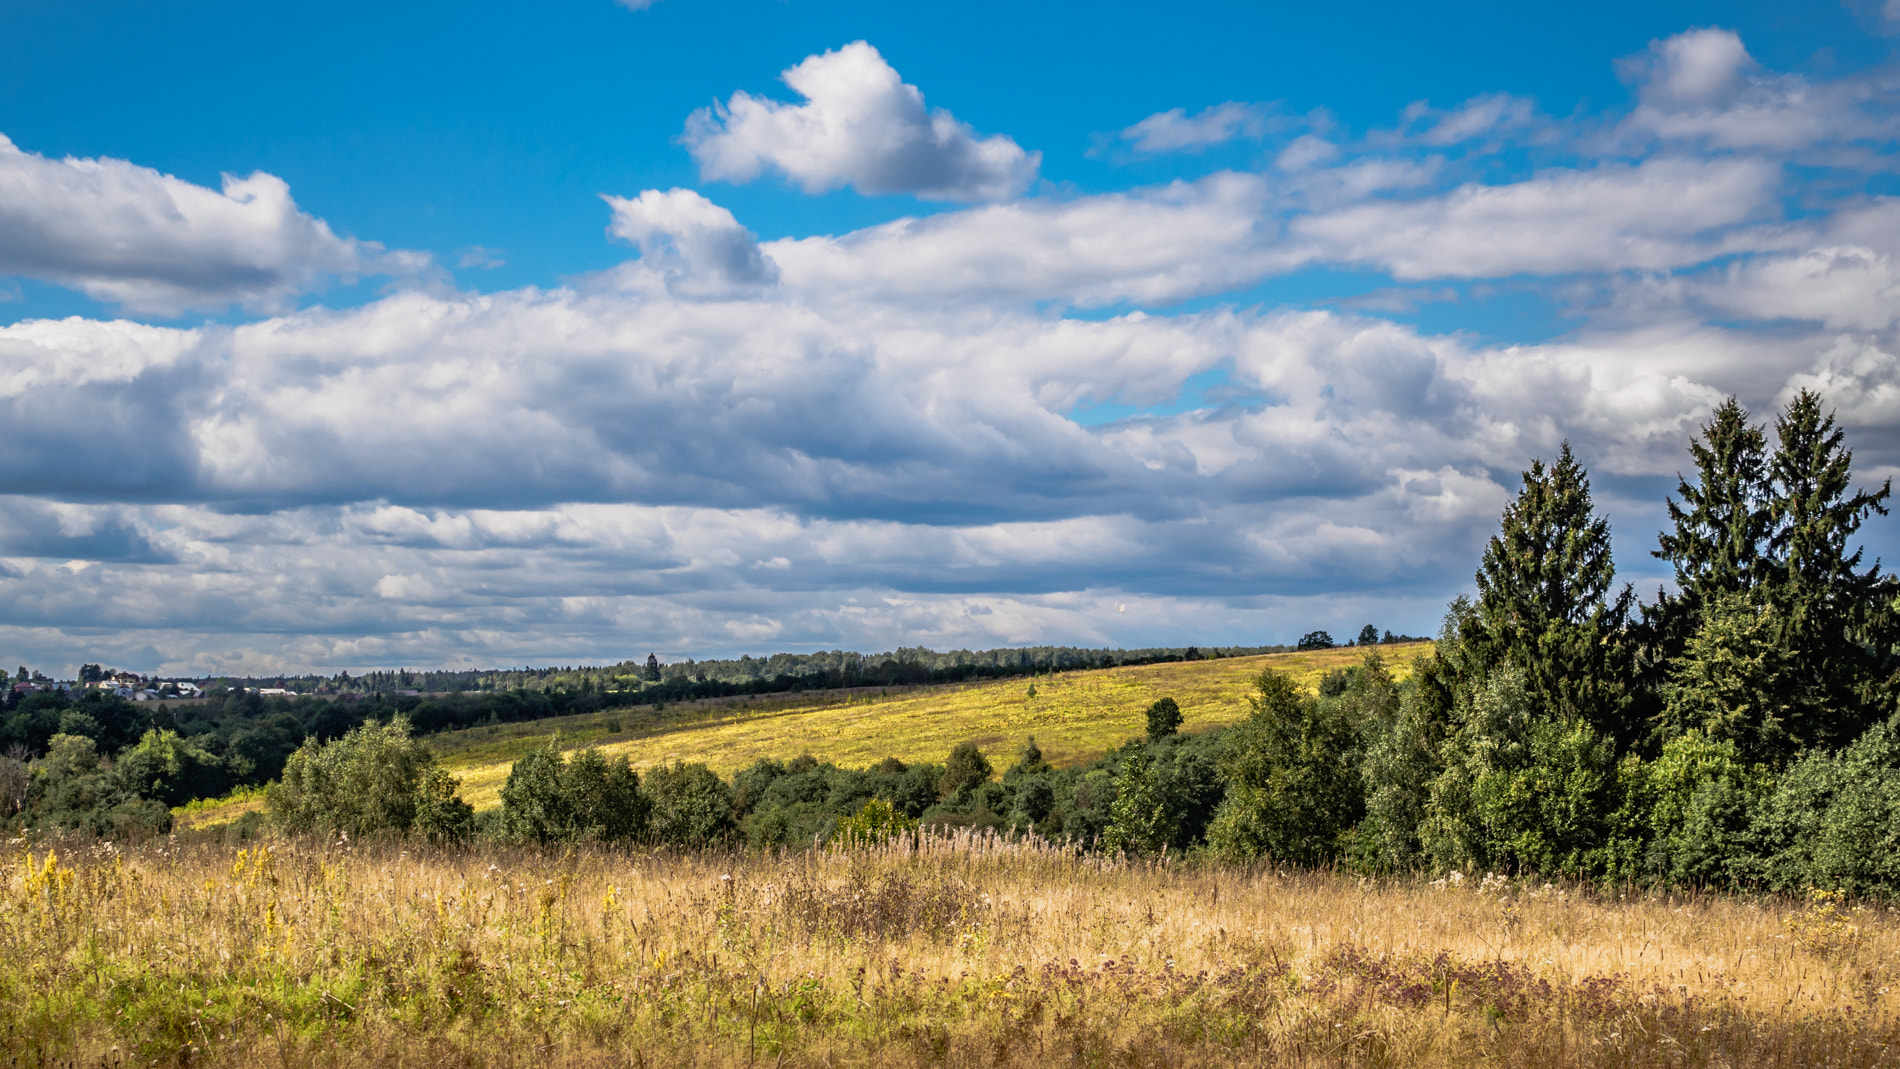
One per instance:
(1737, 731)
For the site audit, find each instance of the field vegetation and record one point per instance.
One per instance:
(1075, 716)
(1576, 829)
(960, 949)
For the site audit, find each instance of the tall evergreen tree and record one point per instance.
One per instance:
(1718, 545)
(1838, 622)
(1720, 540)
(1545, 604)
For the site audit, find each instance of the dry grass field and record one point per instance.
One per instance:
(956, 951)
(1075, 717)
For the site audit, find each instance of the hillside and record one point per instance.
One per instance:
(1074, 716)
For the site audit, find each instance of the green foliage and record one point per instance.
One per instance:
(1029, 762)
(1544, 603)
(1315, 640)
(1684, 817)
(1719, 542)
(1521, 791)
(966, 770)
(1164, 719)
(441, 815)
(1293, 788)
(1734, 681)
(878, 821)
(170, 769)
(367, 782)
(1839, 622)
(1403, 736)
(1833, 820)
(691, 805)
(549, 798)
(1139, 821)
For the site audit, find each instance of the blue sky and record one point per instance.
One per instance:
(373, 335)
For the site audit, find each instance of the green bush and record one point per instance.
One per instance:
(1293, 786)
(1833, 820)
(691, 805)
(368, 782)
(1521, 791)
(548, 798)
(879, 821)
(1139, 821)
(1684, 816)
(1164, 719)
(966, 770)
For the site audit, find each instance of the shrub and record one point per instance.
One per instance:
(365, 783)
(169, 769)
(1684, 816)
(1164, 719)
(1292, 779)
(549, 798)
(441, 815)
(966, 770)
(1833, 820)
(879, 821)
(691, 805)
(1139, 822)
(1522, 791)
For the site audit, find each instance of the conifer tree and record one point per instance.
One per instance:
(1839, 623)
(1545, 604)
(1721, 530)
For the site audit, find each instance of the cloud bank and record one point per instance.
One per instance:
(878, 437)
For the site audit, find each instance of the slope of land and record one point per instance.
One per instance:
(1075, 717)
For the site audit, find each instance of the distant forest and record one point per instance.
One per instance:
(648, 681)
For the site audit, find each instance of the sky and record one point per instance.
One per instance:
(482, 334)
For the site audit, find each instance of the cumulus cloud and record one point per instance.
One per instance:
(697, 245)
(1176, 131)
(153, 243)
(1659, 214)
(860, 439)
(1156, 245)
(860, 125)
(1703, 87)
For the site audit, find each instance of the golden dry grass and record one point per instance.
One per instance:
(1075, 717)
(957, 951)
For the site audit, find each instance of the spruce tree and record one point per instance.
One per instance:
(1719, 544)
(1545, 604)
(1838, 622)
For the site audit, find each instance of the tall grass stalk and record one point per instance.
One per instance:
(925, 950)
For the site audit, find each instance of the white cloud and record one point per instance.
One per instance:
(861, 126)
(1659, 214)
(1155, 245)
(697, 245)
(858, 439)
(1702, 87)
(1175, 131)
(1488, 116)
(153, 243)
(1842, 287)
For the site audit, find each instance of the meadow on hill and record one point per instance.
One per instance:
(1075, 717)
